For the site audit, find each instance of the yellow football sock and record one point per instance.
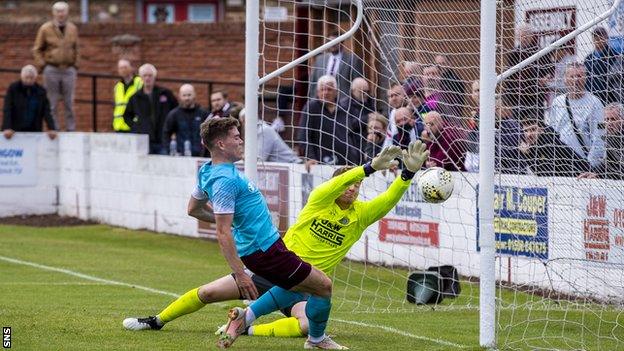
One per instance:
(283, 328)
(185, 304)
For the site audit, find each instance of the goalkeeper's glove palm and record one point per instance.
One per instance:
(386, 158)
(415, 155)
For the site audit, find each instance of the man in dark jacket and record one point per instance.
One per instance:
(546, 155)
(184, 122)
(525, 90)
(451, 84)
(358, 106)
(26, 106)
(507, 135)
(338, 62)
(322, 130)
(147, 109)
(603, 69)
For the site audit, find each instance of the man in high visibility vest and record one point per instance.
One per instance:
(127, 86)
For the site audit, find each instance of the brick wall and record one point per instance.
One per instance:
(182, 50)
(38, 11)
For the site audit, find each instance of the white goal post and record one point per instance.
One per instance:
(487, 281)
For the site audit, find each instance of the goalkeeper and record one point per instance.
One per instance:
(327, 227)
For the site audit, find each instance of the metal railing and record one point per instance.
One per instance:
(94, 77)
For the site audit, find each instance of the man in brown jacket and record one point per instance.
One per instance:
(56, 53)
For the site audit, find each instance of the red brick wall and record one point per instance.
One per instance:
(38, 11)
(195, 51)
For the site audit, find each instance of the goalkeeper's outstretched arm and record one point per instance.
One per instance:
(413, 159)
(330, 190)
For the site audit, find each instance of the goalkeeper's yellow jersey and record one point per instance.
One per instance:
(324, 233)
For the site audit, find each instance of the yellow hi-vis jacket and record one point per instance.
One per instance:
(122, 97)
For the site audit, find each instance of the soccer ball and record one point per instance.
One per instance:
(435, 184)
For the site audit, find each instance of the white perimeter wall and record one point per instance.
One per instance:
(111, 179)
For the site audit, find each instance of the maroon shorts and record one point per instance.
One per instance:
(278, 265)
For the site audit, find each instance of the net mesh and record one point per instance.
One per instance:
(559, 239)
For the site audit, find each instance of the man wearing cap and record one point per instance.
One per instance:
(603, 67)
(56, 55)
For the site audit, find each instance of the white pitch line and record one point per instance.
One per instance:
(87, 277)
(167, 293)
(400, 332)
(55, 283)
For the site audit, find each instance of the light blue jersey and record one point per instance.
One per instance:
(232, 193)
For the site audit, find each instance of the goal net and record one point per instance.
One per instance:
(410, 72)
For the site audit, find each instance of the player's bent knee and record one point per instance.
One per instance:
(207, 294)
(325, 287)
(322, 283)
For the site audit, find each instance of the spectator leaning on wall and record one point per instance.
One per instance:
(147, 109)
(128, 85)
(26, 106)
(577, 117)
(56, 54)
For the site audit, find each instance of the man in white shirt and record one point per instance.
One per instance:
(585, 134)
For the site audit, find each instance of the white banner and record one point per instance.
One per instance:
(18, 161)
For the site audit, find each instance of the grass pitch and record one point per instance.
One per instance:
(69, 288)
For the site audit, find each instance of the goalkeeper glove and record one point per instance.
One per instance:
(386, 158)
(415, 156)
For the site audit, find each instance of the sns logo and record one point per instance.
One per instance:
(6, 337)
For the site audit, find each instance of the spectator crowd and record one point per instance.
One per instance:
(558, 116)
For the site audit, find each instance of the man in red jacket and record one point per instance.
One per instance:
(446, 143)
